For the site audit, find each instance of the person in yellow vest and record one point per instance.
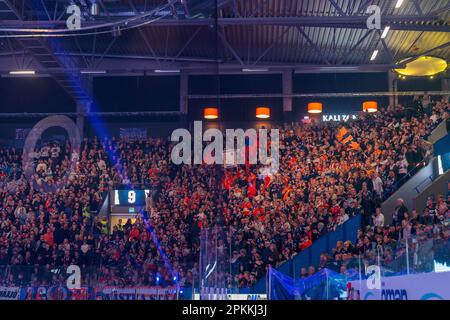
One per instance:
(86, 213)
(104, 223)
(119, 225)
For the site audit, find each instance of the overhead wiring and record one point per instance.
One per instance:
(122, 24)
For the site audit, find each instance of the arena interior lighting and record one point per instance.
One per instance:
(370, 106)
(374, 55)
(263, 113)
(167, 71)
(211, 113)
(92, 71)
(398, 4)
(22, 72)
(255, 70)
(315, 107)
(425, 66)
(440, 166)
(94, 8)
(385, 32)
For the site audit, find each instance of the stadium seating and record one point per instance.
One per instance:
(51, 221)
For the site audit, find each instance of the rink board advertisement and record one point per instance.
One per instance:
(424, 286)
(9, 293)
(136, 293)
(239, 297)
(87, 293)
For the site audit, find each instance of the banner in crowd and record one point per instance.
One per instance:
(423, 286)
(22, 133)
(133, 133)
(55, 293)
(9, 293)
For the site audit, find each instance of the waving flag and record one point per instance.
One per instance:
(345, 137)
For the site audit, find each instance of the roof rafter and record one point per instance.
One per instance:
(396, 22)
(42, 52)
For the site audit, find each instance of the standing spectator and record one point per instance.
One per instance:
(399, 212)
(378, 219)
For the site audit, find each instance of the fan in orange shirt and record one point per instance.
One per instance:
(135, 234)
(48, 238)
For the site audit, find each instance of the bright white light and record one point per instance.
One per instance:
(22, 72)
(441, 267)
(255, 70)
(167, 71)
(92, 71)
(116, 198)
(374, 55)
(385, 32)
(440, 167)
(398, 4)
(337, 69)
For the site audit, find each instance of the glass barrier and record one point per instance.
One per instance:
(95, 283)
(343, 275)
(223, 271)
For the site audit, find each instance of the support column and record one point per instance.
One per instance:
(392, 86)
(184, 91)
(287, 100)
(445, 86)
(83, 108)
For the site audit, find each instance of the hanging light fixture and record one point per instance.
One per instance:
(263, 113)
(424, 66)
(94, 8)
(370, 106)
(315, 107)
(211, 113)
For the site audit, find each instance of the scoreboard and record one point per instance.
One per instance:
(131, 197)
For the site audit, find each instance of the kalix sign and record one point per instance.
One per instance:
(338, 117)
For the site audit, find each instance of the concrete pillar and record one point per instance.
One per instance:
(83, 108)
(184, 101)
(445, 86)
(287, 100)
(392, 87)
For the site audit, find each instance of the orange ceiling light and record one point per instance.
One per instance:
(315, 107)
(370, 106)
(211, 113)
(263, 113)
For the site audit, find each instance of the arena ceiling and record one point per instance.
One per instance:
(136, 37)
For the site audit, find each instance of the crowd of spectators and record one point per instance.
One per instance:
(53, 220)
(426, 235)
(320, 185)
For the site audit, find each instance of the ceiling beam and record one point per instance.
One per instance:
(396, 22)
(133, 66)
(42, 52)
(427, 52)
(337, 7)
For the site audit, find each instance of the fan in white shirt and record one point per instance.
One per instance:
(378, 219)
(377, 184)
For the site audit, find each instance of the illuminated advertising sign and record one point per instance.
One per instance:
(339, 117)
